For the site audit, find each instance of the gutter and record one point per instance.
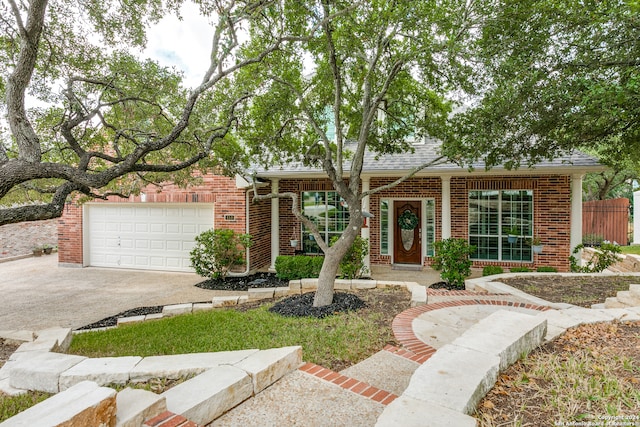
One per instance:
(248, 250)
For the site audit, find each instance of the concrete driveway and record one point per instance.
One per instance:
(35, 293)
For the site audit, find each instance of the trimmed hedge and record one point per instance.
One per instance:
(293, 267)
(490, 270)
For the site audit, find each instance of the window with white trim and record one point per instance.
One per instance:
(501, 224)
(329, 212)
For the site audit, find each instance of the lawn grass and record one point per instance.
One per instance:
(635, 249)
(11, 405)
(334, 342)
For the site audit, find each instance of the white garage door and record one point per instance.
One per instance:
(144, 236)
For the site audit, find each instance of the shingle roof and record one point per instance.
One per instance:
(429, 151)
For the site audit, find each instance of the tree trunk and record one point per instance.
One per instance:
(332, 258)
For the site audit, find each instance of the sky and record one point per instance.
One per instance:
(184, 44)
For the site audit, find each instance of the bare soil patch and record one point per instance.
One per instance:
(582, 291)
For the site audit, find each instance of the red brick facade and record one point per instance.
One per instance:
(551, 200)
(229, 210)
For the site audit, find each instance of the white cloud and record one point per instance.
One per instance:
(184, 44)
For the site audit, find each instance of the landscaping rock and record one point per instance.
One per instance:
(102, 370)
(268, 366)
(42, 372)
(136, 406)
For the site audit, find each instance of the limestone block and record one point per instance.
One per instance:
(17, 337)
(268, 366)
(62, 337)
(6, 388)
(363, 284)
(635, 290)
(626, 297)
(176, 309)
(586, 315)
(136, 406)
(454, 377)
(131, 319)
(490, 336)
(39, 346)
(179, 365)
(42, 372)
(342, 285)
(612, 302)
(409, 412)
(202, 307)
(212, 393)
(261, 293)
(308, 284)
(102, 370)
(418, 294)
(85, 404)
(294, 285)
(153, 316)
(224, 301)
(560, 319)
(281, 292)
(243, 299)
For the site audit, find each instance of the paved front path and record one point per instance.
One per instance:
(37, 294)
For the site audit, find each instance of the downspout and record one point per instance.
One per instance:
(247, 229)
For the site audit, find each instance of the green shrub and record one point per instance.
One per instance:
(490, 270)
(352, 263)
(520, 270)
(452, 258)
(217, 251)
(293, 267)
(606, 255)
(546, 269)
(592, 239)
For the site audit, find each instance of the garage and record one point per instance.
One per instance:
(143, 236)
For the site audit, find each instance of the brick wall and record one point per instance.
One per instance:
(260, 230)
(229, 213)
(552, 211)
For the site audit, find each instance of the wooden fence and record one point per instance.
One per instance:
(607, 219)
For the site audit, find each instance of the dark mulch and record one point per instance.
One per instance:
(445, 285)
(113, 320)
(257, 280)
(302, 305)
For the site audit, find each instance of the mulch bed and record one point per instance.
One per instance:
(231, 283)
(302, 305)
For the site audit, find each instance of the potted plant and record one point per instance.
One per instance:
(47, 249)
(536, 245)
(294, 238)
(37, 251)
(512, 234)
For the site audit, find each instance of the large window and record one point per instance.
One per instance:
(501, 224)
(429, 207)
(328, 212)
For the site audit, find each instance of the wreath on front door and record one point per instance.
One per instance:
(408, 220)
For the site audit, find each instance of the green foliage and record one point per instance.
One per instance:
(605, 256)
(352, 264)
(490, 270)
(12, 405)
(592, 239)
(546, 269)
(294, 267)
(520, 270)
(452, 258)
(555, 73)
(217, 251)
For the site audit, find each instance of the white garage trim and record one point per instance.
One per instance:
(147, 236)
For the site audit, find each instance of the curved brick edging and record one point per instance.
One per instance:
(402, 325)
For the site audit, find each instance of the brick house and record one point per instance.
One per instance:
(156, 230)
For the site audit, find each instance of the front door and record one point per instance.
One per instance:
(407, 236)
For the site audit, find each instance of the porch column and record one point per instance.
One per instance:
(446, 207)
(275, 225)
(576, 212)
(636, 218)
(365, 232)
